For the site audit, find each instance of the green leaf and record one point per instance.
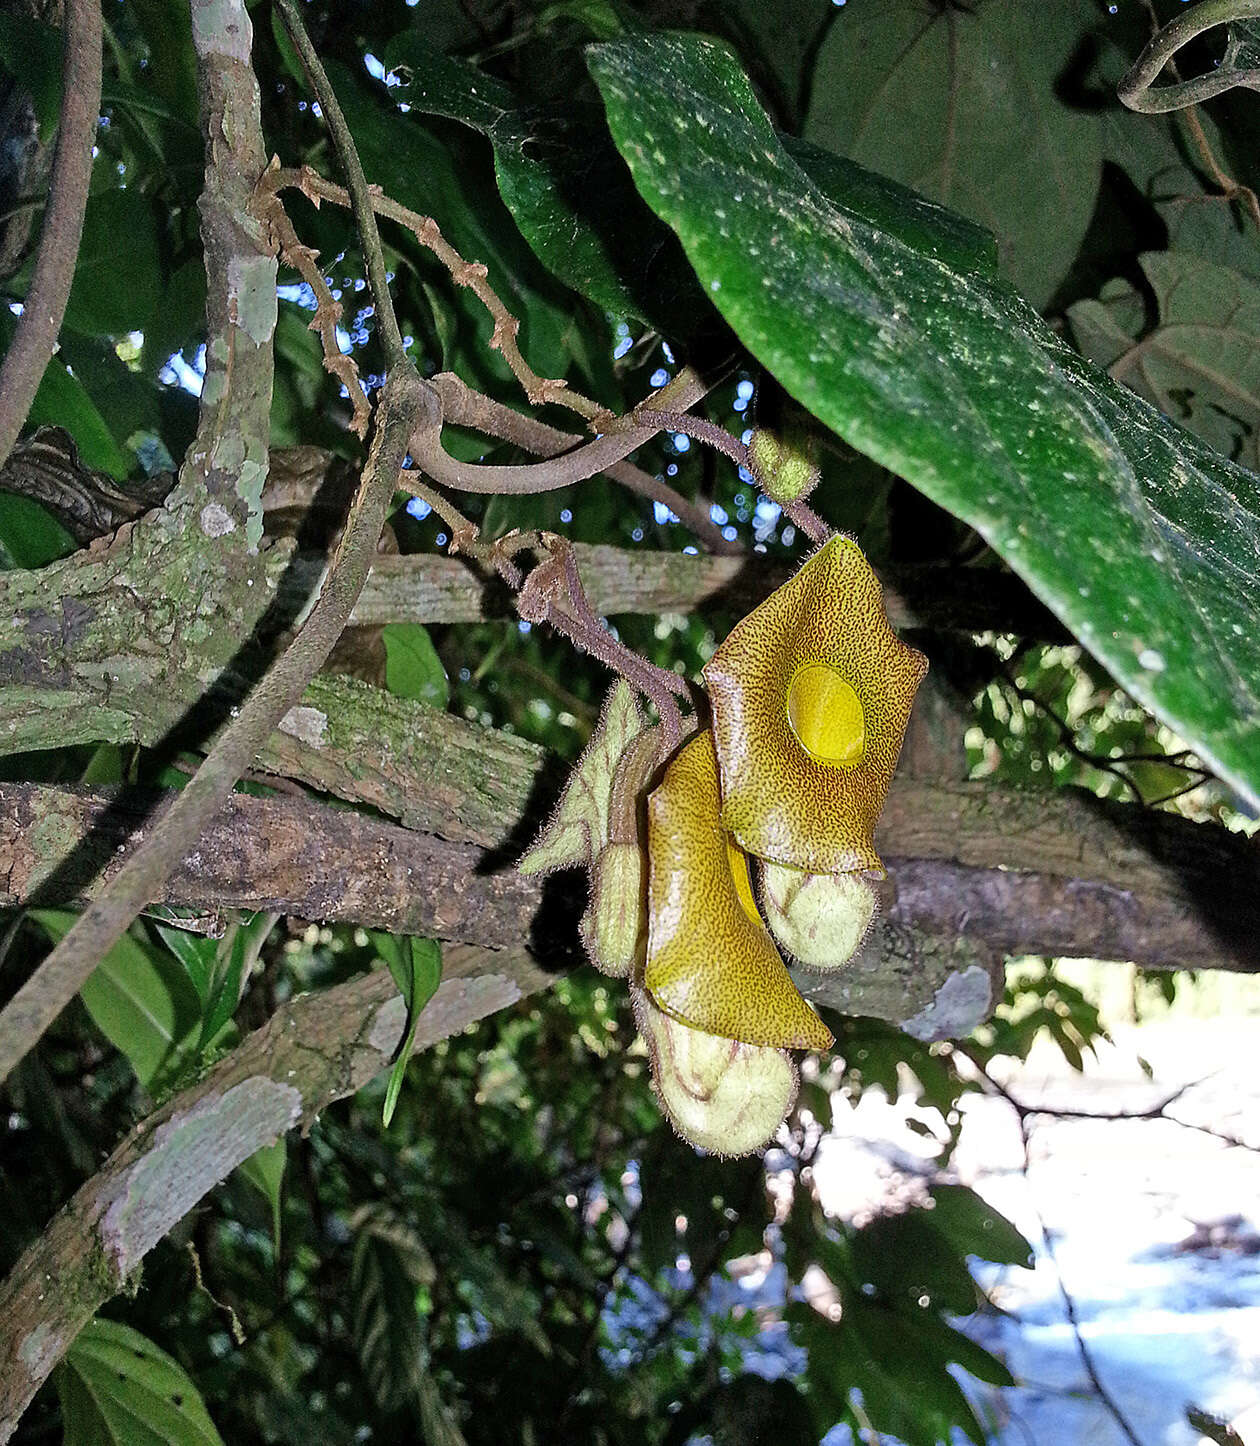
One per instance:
(1200, 362)
(140, 999)
(1142, 539)
(31, 52)
(195, 952)
(30, 536)
(1152, 151)
(959, 102)
(117, 278)
(412, 666)
(974, 1227)
(899, 1362)
(565, 185)
(416, 965)
(179, 321)
(118, 1389)
(62, 401)
(265, 1172)
(389, 1266)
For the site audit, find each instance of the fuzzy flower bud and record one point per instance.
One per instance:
(821, 919)
(782, 467)
(615, 922)
(724, 1096)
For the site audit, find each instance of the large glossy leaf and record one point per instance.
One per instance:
(1140, 537)
(118, 1389)
(1200, 362)
(960, 102)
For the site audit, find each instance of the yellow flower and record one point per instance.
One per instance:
(711, 962)
(811, 693)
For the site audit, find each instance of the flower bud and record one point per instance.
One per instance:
(615, 922)
(782, 467)
(820, 919)
(724, 1096)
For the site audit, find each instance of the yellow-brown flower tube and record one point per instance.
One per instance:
(811, 693)
(711, 962)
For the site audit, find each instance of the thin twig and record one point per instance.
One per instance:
(1069, 1303)
(803, 517)
(1137, 88)
(356, 193)
(553, 593)
(561, 471)
(36, 335)
(465, 407)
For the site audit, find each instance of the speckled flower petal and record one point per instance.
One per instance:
(811, 693)
(711, 962)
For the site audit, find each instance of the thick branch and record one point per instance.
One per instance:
(319, 1048)
(32, 346)
(1004, 870)
(144, 626)
(424, 588)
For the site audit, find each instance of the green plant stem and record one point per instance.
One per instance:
(1136, 91)
(36, 335)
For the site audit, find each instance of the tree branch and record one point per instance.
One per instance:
(32, 347)
(1104, 882)
(316, 1049)
(38, 1002)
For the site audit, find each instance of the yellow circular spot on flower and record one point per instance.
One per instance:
(711, 961)
(826, 715)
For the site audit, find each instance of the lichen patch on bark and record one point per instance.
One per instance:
(187, 1157)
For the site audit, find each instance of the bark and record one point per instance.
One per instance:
(996, 868)
(314, 1050)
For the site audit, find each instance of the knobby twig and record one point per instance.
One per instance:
(497, 420)
(472, 274)
(303, 260)
(32, 347)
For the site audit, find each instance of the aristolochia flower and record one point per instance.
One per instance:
(811, 693)
(711, 962)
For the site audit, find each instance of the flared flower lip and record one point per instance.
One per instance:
(711, 962)
(780, 802)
